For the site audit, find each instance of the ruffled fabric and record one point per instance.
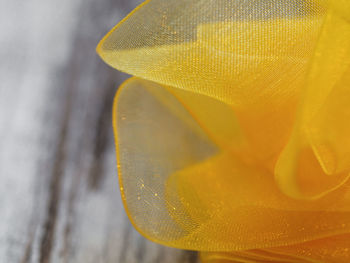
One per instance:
(233, 136)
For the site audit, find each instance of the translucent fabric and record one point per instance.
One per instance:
(233, 136)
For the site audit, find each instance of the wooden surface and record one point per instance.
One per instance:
(59, 195)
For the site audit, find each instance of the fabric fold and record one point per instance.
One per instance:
(233, 135)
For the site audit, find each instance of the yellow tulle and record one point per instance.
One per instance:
(233, 136)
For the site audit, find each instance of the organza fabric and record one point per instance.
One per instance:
(233, 135)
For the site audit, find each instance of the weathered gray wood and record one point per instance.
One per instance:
(59, 196)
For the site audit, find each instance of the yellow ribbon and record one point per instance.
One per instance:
(233, 136)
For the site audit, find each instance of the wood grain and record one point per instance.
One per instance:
(59, 195)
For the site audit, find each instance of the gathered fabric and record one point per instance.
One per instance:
(233, 135)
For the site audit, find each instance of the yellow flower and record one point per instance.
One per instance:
(233, 136)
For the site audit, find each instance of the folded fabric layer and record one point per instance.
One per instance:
(333, 250)
(232, 137)
(322, 121)
(184, 190)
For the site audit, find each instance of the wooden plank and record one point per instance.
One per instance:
(59, 197)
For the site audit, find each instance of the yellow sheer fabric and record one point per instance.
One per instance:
(233, 136)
